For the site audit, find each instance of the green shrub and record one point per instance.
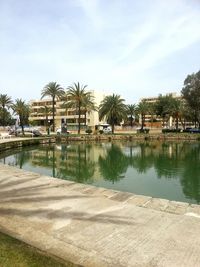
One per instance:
(171, 130)
(88, 131)
(145, 130)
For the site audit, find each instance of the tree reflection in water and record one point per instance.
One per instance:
(190, 180)
(114, 165)
(76, 163)
(143, 160)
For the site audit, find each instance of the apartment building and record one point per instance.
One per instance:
(62, 115)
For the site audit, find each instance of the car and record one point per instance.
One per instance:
(191, 130)
(28, 131)
(107, 130)
(194, 130)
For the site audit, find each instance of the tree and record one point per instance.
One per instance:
(177, 110)
(163, 107)
(22, 110)
(88, 105)
(113, 109)
(55, 91)
(131, 109)
(5, 117)
(5, 102)
(188, 114)
(151, 111)
(142, 109)
(191, 93)
(76, 97)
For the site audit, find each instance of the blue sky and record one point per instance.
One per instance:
(128, 47)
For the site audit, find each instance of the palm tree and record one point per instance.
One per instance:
(5, 101)
(177, 110)
(89, 105)
(163, 107)
(76, 97)
(113, 109)
(22, 110)
(131, 112)
(142, 109)
(151, 111)
(55, 91)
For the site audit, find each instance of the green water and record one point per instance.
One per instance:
(166, 170)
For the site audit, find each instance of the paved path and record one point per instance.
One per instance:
(13, 138)
(97, 227)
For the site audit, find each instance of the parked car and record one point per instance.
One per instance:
(194, 130)
(191, 130)
(27, 131)
(107, 130)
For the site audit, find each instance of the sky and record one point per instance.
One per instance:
(128, 47)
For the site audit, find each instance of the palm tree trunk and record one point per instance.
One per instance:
(177, 123)
(53, 105)
(46, 121)
(3, 119)
(85, 117)
(22, 124)
(113, 128)
(143, 118)
(79, 118)
(131, 121)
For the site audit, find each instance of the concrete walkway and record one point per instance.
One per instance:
(95, 226)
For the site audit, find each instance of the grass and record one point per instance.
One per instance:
(14, 253)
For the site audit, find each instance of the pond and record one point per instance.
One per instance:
(168, 170)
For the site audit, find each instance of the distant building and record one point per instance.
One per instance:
(69, 116)
(152, 120)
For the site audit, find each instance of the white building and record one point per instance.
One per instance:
(62, 115)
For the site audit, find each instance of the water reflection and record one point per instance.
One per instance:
(143, 160)
(176, 165)
(74, 163)
(114, 164)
